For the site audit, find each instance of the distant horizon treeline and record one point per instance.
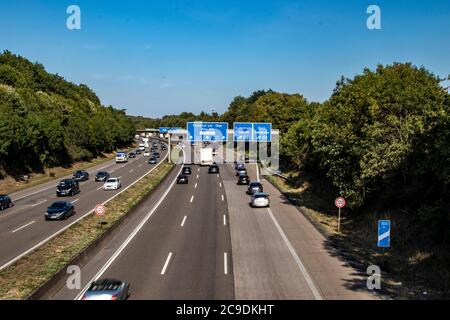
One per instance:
(46, 121)
(381, 139)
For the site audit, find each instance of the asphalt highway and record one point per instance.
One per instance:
(23, 227)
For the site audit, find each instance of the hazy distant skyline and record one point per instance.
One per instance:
(164, 57)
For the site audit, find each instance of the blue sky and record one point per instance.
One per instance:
(163, 57)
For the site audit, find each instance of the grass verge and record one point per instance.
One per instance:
(19, 280)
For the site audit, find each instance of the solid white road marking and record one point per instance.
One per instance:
(197, 176)
(224, 220)
(184, 220)
(195, 186)
(29, 223)
(223, 198)
(220, 184)
(192, 199)
(297, 259)
(75, 201)
(225, 263)
(163, 271)
(257, 172)
(40, 202)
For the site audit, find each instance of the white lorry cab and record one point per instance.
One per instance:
(206, 156)
(121, 157)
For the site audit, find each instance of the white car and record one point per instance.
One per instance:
(112, 184)
(147, 153)
(260, 200)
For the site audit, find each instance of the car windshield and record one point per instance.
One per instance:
(255, 184)
(58, 205)
(261, 195)
(105, 286)
(101, 174)
(2, 197)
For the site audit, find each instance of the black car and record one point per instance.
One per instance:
(152, 161)
(187, 170)
(241, 171)
(81, 175)
(137, 151)
(107, 289)
(243, 179)
(214, 168)
(101, 176)
(67, 187)
(5, 202)
(254, 187)
(182, 179)
(155, 155)
(239, 166)
(163, 148)
(60, 210)
(132, 155)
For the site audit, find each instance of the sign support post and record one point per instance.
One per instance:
(340, 203)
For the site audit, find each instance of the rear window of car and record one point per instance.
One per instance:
(112, 180)
(58, 205)
(105, 287)
(255, 184)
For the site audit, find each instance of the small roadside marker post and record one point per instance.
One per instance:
(340, 203)
(100, 212)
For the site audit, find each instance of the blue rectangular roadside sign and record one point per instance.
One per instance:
(243, 131)
(207, 131)
(262, 132)
(384, 233)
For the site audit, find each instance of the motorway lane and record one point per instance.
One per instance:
(24, 226)
(180, 251)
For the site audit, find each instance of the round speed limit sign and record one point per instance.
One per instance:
(340, 202)
(100, 210)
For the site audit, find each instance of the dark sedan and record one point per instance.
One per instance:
(132, 155)
(5, 202)
(101, 176)
(60, 210)
(254, 187)
(156, 155)
(152, 161)
(182, 179)
(243, 179)
(214, 168)
(107, 289)
(187, 170)
(81, 175)
(67, 187)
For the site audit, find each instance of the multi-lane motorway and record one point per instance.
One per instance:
(203, 241)
(23, 227)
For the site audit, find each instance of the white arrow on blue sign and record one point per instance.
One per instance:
(384, 233)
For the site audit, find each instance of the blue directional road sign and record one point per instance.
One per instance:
(262, 132)
(243, 131)
(207, 131)
(384, 233)
(167, 129)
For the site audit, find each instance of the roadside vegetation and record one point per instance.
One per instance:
(382, 141)
(46, 121)
(40, 265)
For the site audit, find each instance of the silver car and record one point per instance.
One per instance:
(112, 184)
(260, 200)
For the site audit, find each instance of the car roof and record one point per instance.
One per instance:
(60, 202)
(255, 183)
(105, 285)
(261, 194)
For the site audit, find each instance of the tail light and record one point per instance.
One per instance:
(114, 297)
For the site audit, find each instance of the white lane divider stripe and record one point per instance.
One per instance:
(198, 170)
(184, 220)
(220, 184)
(192, 199)
(197, 176)
(28, 224)
(100, 188)
(195, 187)
(297, 259)
(224, 220)
(131, 171)
(225, 263)
(163, 271)
(76, 200)
(223, 198)
(40, 202)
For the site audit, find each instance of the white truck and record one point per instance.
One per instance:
(206, 156)
(121, 157)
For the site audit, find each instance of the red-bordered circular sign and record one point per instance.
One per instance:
(100, 210)
(340, 202)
